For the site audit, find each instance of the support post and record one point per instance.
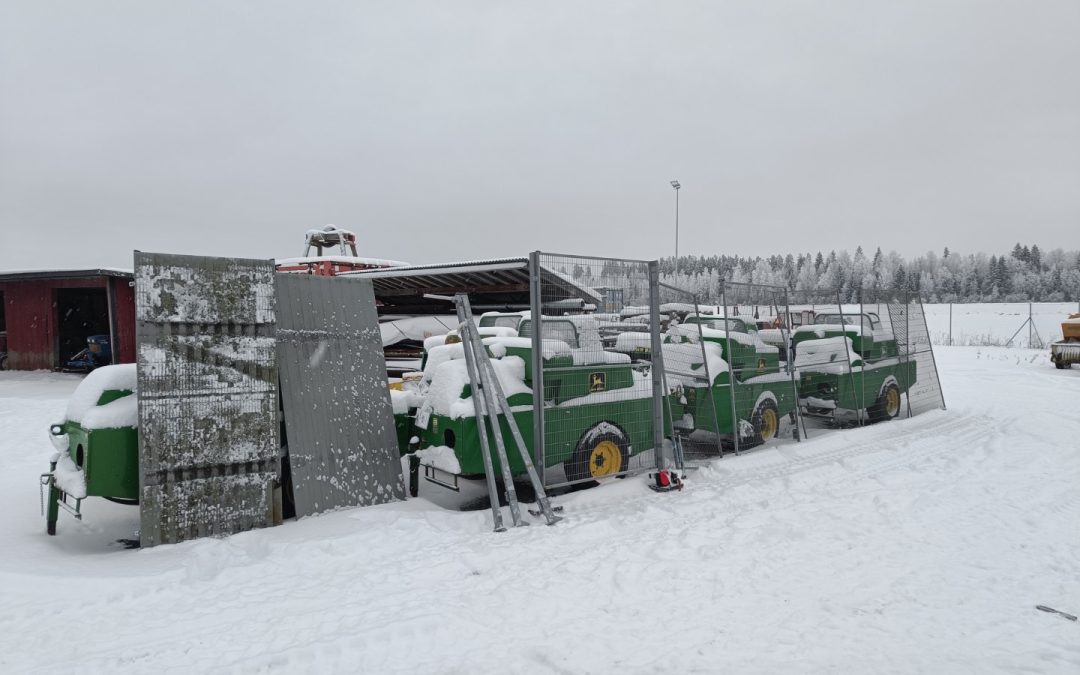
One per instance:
(484, 386)
(535, 311)
(480, 412)
(785, 336)
(731, 370)
(657, 368)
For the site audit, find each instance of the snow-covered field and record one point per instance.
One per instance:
(995, 323)
(918, 545)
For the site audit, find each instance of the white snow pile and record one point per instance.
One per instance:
(415, 328)
(123, 412)
(693, 332)
(69, 478)
(120, 377)
(684, 361)
(449, 378)
(403, 399)
(552, 348)
(633, 341)
(827, 355)
(441, 457)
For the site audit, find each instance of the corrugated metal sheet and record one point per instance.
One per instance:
(208, 395)
(502, 281)
(338, 417)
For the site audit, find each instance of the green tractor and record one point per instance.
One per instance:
(850, 365)
(597, 406)
(97, 444)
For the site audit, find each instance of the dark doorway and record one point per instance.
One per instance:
(80, 313)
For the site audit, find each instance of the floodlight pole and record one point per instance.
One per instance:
(675, 184)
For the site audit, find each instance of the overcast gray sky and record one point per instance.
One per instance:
(457, 130)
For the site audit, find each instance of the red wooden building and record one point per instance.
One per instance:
(45, 317)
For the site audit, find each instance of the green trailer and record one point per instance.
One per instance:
(850, 365)
(597, 405)
(97, 445)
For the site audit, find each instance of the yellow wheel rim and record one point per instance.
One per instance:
(769, 424)
(892, 402)
(605, 460)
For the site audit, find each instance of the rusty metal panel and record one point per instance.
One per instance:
(339, 422)
(208, 395)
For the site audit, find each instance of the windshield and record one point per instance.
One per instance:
(718, 323)
(553, 330)
(846, 319)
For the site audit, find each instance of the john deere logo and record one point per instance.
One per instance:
(597, 382)
(761, 364)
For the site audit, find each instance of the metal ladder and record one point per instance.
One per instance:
(489, 401)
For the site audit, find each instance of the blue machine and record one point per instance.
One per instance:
(98, 353)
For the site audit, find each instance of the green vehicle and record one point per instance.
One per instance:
(738, 361)
(850, 365)
(97, 444)
(597, 406)
(719, 323)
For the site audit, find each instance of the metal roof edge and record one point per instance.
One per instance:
(35, 275)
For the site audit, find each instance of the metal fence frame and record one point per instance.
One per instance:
(539, 260)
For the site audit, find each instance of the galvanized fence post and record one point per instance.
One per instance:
(536, 311)
(657, 368)
(785, 338)
(735, 427)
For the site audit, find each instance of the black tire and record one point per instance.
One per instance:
(50, 527)
(887, 406)
(593, 459)
(1060, 365)
(766, 423)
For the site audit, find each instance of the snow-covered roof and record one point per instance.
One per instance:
(447, 268)
(78, 273)
(341, 259)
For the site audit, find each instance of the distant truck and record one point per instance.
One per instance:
(1066, 351)
(849, 363)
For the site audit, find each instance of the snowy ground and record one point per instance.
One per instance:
(994, 323)
(920, 545)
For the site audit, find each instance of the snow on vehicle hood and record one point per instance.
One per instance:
(87, 394)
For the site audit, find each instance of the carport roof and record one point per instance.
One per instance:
(496, 283)
(35, 275)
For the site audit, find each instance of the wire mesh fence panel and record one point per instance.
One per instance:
(593, 329)
(693, 377)
(918, 377)
(757, 395)
(827, 353)
(863, 357)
